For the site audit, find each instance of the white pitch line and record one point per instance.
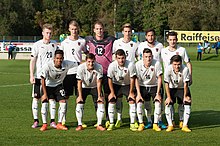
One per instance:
(14, 85)
(6, 73)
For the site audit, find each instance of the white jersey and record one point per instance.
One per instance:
(166, 55)
(156, 50)
(147, 77)
(130, 48)
(73, 51)
(55, 76)
(121, 75)
(176, 80)
(43, 53)
(89, 78)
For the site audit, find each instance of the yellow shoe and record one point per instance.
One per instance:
(141, 127)
(181, 124)
(63, 123)
(107, 124)
(84, 125)
(136, 124)
(118, 124)
(96, 125)
(186, 129)
(169, 129)
(110, 128)
(132, 127)
(156, 127)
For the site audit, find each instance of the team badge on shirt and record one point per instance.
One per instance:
(79, 44)
(180, 75)
(152, 69)
(125, 71)
(157, 49)
(131, 45)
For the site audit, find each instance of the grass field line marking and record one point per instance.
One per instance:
(8, 73)
(14, 85)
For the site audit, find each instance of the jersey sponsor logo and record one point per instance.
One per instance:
(147, 76)
(176, 81)
(57, 76)
(121, 78)
(100, 51)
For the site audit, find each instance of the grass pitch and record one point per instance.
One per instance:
(16, 116)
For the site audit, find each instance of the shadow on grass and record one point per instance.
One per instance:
(210, 57)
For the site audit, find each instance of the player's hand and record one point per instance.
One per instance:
(79, 99)
(190, 80)
(111, 95)
(168, 101)
(186, 99)
(44, 97)
(139, 98)
(100, 99)
(158, 98)
(32, 79)
(131, 94)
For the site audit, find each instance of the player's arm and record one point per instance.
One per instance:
(132, 85)
(168, 99)
(137, 86)
(159, 83)
(79, 88)
(99, 90)
(189, 65)
(185, 97)
(43, 84)
(112, 92)
(31, 68)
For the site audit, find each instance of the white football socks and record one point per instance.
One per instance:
(132, 112)
(79, 113)
(35, 108)
(62, 110)
(168, 114)
(100, 113)
(52, 103)
(187, 111)
(111, 110)
(148, 110)
(44, 109)
(119, 107)
(140, 112)
(157, 111)
(180, 111)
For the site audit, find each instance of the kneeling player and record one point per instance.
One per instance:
(52, 76)
(148, 84)
(89, 76)
(176, 80)
(121, 79)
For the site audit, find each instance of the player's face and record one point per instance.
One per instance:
(90, 63)
(127, 32)
(47, 34)
(98, 30)
(172, 40)
(176, 66)
(58, 59)
(147, 58)
(73, 30)
(150, 37)
(121, 60)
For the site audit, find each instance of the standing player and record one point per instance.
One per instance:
(52, 76)
(148, 84)
(121, 79)
(101, 46)
(43, 52)
(130, 49)
(176, 80)
(89, 75)
(156, 47)
(73, 46)
(166, 54)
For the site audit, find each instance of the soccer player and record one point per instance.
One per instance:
(148, 84)
(73, 46)
(43, 52)
(130, 49)
(156, 47)
(52, 76)
(121, 79)
(89, 75)
(166, 54)
(101, 46)
(176, 78)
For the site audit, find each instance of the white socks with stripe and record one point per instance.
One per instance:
(140, 112)
(100, 113)
(44, 109)
(61, 111)
(35, 108)
(157, 111)
(111, 111)
(79, 113)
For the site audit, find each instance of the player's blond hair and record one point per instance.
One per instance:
(74, 23)
(126, 25)
(47, 26)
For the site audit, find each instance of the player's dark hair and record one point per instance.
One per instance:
(176, 58)
(146, 50)
(120, 52)
(150, 30)
(58, 52)
(98, 23)
(90, 56)
(172, 33)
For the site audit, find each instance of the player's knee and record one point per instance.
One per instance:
(131, 100)
(62, 101)
(45, 101)
(187, 103)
